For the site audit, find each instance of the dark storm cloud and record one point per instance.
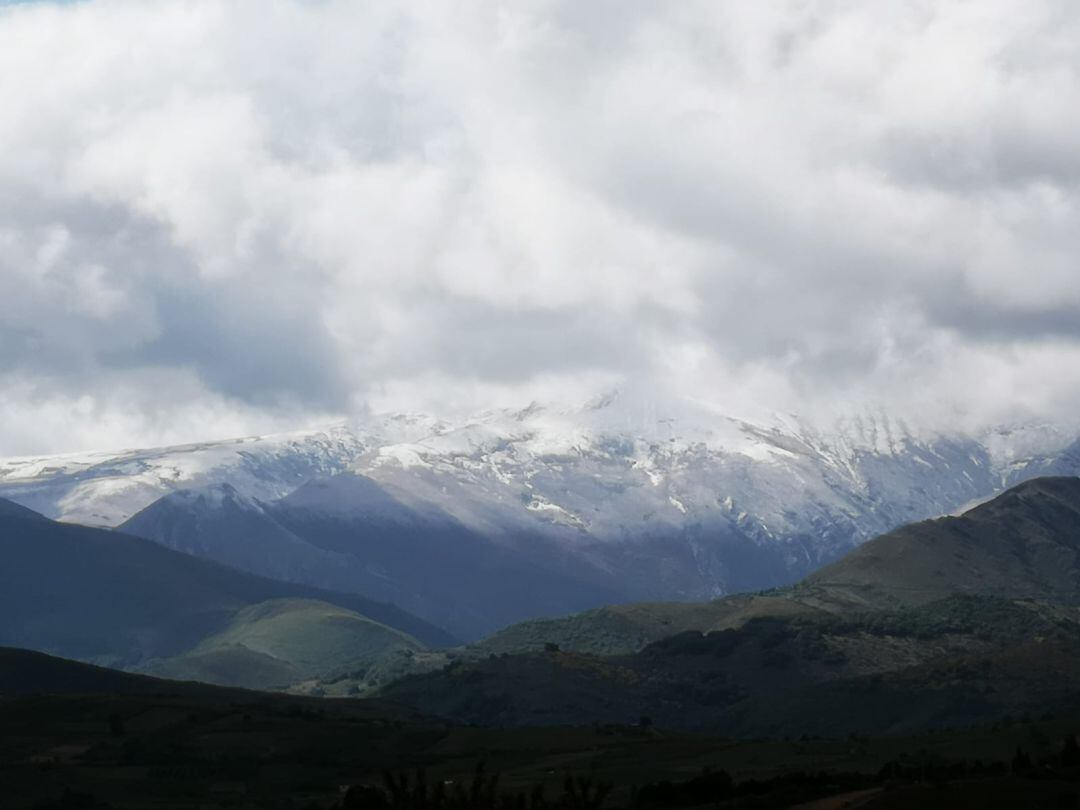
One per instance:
(990, 321)
(243, 344)
(252, 342)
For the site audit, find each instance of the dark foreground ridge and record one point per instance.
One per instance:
(150, 743)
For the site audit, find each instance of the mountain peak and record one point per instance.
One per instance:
(345, 494)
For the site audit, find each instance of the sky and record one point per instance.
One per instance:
(220, 219)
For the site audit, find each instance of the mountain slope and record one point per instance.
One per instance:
(108, 597)
(664, 499)
(280, 642)
(10, 509)
(1024, 544)
(435, 566)
(621, 629)
(349, 533)
(104, 489)
(938, 664)
(864, 646)
(220, 524)
(27, 672)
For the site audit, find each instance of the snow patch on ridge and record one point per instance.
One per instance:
(619, 469)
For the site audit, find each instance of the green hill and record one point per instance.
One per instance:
(1023, 544)
(113, 599)
(945, 663)
(921, 627)
(281, 642)
(620, 629)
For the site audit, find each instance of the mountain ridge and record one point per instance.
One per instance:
(972, 648)
(107, 597)
(424, 562)
(671, 498)
(916, 552)
(985, 550)
(649, 498)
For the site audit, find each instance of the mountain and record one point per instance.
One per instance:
(9, 509)
(107, 597)
(949, 621)
(1024, 544)
(219, 523)
(347, 533)
(105, 489)
(654, 499)
(959, 662)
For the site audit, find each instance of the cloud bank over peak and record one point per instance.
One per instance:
(230, 218)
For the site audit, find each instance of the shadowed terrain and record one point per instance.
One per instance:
(113, 599)
(857, 648)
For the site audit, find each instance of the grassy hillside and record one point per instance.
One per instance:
(620, 629)
(949, 662)
(227, 666)
(110, 598)
(919, 628)
(1024, 544)
(347, 533)
(280, 642)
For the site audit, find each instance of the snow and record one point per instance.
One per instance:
(401, 454)
(594, 471)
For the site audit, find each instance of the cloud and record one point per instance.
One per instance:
(220, 218)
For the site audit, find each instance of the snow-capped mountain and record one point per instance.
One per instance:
(667, 500)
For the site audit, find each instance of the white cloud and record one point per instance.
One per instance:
(246, 214)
